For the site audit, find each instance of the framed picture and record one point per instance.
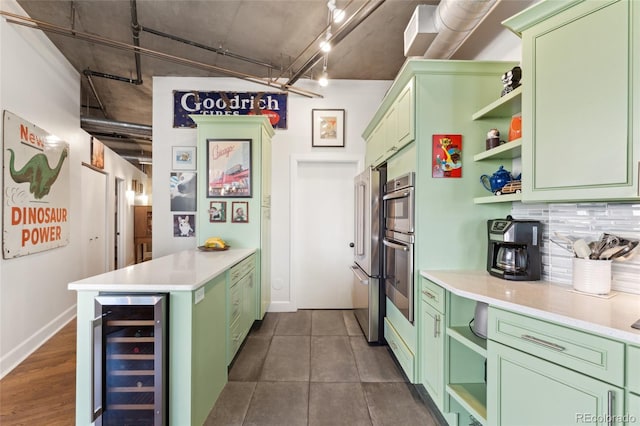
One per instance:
(240, 212)
(183, 157)
(182, 191)
(446, 161)
(97, 153)
(228, 168)
(184, 225)
(218, 211)
(328, 127)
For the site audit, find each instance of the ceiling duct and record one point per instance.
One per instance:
(454, 21)
(420, 31)
(99, 125)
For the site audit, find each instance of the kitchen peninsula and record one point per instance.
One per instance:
(198, 285)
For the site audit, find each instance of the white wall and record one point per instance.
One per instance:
(39, 85)
(360, 99)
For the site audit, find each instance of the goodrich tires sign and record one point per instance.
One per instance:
(36, 189)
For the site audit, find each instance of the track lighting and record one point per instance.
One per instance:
(324, 77)
(325, 45)
(337, 15)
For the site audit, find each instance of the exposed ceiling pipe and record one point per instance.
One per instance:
(52, 28)
(95, 93)
(351, 24)
(455, 20)
(135, 29)
(91, 124)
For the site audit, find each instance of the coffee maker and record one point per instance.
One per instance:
(514, 249)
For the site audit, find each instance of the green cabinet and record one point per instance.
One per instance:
(633, 409)
(394, 130)
(256, 231)
(432, 333)
(526, 390)
(581, 99)
(241, 304)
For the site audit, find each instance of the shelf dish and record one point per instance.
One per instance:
(464, 335)
(507, 151)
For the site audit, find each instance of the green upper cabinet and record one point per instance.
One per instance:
(395, 128)
(581, 99)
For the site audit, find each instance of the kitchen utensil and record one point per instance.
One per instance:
(626, 252)
(568, 248)
(581, 249)
(512, 259)
(610, 252)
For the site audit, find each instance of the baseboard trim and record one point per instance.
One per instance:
(282, 307)
(18, 354)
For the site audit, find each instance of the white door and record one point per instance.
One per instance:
(322, 228)
(94, 221)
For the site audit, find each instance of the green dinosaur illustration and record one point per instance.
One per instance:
(37, 173)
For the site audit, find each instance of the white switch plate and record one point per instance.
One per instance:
(199, 295)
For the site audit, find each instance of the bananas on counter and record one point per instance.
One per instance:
(215, 242)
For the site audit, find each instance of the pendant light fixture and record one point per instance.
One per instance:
(324, 77)
(337, 15)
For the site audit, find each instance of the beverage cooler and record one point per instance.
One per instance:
(130, 368)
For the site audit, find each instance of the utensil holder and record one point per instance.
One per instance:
(591, 276)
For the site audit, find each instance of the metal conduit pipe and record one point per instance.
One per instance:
(120, 127)
(135, 29)
(455, 20)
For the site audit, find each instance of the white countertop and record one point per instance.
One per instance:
(182, 271)
(606, 316)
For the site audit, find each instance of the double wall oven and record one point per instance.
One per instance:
(399, 221)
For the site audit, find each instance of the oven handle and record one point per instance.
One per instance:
(397, 194)
(394, 245)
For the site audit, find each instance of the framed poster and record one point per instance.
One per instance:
(184, 225)
(327, 127)
(182, 191)
(446, 161)
(240, 212)
(218, 211)
(97, 153)
(183, 157)
(228, 168)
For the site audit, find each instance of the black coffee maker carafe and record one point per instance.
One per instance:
(514, 249)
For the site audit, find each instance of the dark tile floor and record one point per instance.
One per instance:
(314, 367)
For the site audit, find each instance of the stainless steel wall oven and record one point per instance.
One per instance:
(398, 243)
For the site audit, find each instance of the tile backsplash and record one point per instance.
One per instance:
(588, 221)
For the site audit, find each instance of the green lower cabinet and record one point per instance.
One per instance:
(432, 354)
(526, 390)
(632, 414)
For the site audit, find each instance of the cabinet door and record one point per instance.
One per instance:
(248, 301)
(580, 103)
(376, 148)
(525, 390)
(405, 132)
(266, 168)
(391, 131)
(264, 280)
(432, 356)
(633, 408)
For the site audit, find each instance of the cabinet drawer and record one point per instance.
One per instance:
(242, 268)
(400, 350)
(633, 369)
(589, 354)
(235, 304)
(433, 294)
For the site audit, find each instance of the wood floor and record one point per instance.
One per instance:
(42, 389)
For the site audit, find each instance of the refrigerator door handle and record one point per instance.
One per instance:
(359, 275)
(96, 367)
(360, 219)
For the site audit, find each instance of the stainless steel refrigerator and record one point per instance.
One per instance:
(368, 293)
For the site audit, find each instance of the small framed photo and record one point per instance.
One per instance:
(228, 168)
(328, 127)
(184, 225)
(183, 157)
(217, 211)
(240, 212)
(97, 153)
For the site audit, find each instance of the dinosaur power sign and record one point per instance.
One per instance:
(35, 200)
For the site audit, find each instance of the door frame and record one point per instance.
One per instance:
(296, 161)
(119, 222)
(107, 242)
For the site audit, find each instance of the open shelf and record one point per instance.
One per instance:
(506, 106)
(472, 397)
(464, 335)
(507, 151)
(497, 198)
